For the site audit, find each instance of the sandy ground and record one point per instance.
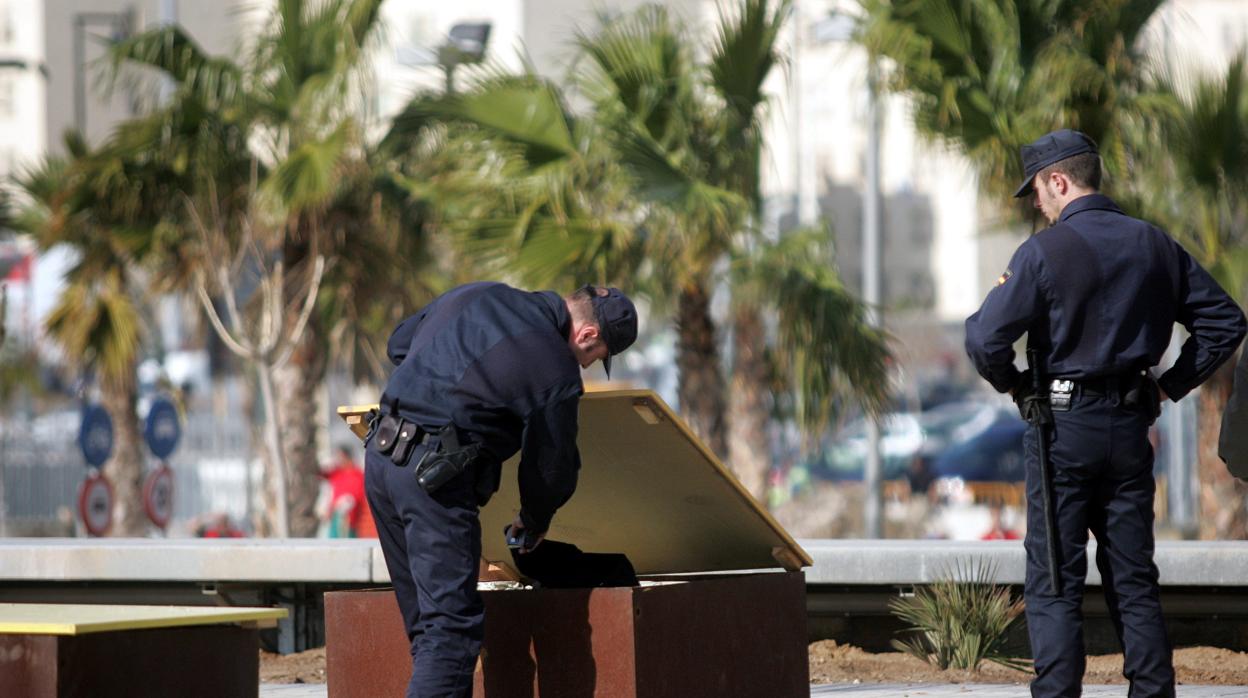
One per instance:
(833, 663)
(300, 667)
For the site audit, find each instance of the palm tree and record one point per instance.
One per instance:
(705, 133)
(97, 205)
(289, 107)
(989, 75)
(1197, 188)
(683, 141)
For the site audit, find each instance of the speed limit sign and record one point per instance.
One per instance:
(95, 504)
(158, 495)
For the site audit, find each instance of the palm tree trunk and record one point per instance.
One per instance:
(749, 408)
(125, 469)
(1222, 497)
(697, 361)
(299, 383)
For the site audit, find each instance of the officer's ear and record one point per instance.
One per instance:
(587, 335)
(1061, 183)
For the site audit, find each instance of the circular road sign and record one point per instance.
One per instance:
(158, 495)
(163, 428)
(95, 436)
(95, 504)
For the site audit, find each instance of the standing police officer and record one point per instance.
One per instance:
(1097, 294)
(483, 371)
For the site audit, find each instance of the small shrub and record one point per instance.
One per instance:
(958, 622)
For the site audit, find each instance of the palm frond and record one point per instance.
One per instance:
(826, 349)
(744, 53)
(656, 178)
(99, 324)
(307, 177)
(215, 82)
(639, 71)
(1197, 186)
(988, 76)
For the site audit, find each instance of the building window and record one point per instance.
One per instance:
(6, 98)
(8, 25)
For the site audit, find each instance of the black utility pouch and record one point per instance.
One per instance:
(386, 431)
(405, 442)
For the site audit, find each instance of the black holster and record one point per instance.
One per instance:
(1145, 394)
(450, 458)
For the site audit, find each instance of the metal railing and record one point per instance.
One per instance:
(41, 469)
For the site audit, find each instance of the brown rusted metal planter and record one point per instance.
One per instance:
(199, 662)
(734, 635)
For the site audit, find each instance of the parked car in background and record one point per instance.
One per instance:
(910, 442)
(901, 436)
(991, 451)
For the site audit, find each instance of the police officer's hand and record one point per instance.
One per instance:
(517, 529)
(1023, 388)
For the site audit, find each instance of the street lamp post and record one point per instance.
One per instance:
(839, 27)
(873, 297)
(465, 44)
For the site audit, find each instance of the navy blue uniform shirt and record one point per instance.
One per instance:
(1098, 294)
(495, 361)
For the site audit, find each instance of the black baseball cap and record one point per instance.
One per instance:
(1050, 148)
(617, 320)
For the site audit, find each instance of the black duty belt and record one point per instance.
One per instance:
(1101, 386)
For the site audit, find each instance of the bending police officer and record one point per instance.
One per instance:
(1097, 295)
(481, 372)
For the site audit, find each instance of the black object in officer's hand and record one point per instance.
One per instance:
(520, 538)
(556, 565)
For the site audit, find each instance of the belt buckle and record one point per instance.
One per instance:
(1060, 393)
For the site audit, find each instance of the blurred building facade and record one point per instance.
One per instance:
(942, 246)
(23, 139)
(76, 32)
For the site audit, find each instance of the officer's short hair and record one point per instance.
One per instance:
(1083, 169)
(581, 306)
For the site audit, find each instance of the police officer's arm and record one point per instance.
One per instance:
(1215, 323)
(1009, 310)
(549, 460)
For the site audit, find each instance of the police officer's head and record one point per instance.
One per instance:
(1059, 167)
(604, 323)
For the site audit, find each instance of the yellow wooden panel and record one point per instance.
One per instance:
(651, 490)
(79, 619)
(356, 417)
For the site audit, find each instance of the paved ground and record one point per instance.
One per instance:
(984, 690)
(873, 690)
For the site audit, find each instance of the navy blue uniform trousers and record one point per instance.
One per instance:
(1103, 482)
(431, 544)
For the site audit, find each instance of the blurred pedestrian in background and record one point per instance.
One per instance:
(346, 513)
